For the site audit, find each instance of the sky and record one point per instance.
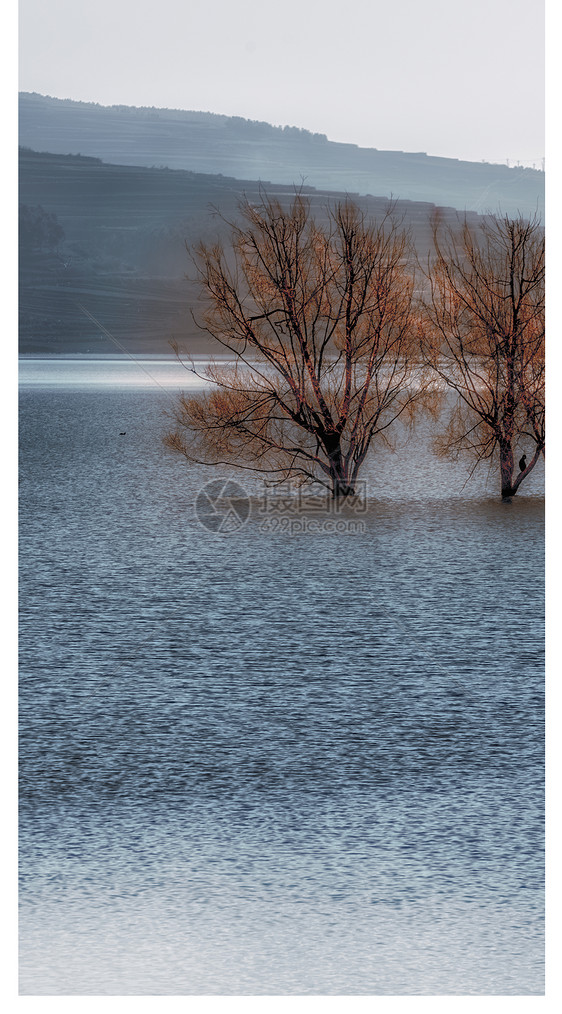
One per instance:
(459, 78)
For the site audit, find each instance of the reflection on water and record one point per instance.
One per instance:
(264, 763)
(122, 371)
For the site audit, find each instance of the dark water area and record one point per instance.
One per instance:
(272, 761)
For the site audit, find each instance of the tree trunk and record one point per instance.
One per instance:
(341, 489)
(506, 469)
(339, 476)
(341, 486)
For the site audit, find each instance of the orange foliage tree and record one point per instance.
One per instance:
(485, 341)
(319, 317)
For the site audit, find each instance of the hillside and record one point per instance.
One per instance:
(245, 149)
(114, 238)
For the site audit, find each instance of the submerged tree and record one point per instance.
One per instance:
(320, 320)
(484, 339)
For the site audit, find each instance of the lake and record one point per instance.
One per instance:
(270, 751)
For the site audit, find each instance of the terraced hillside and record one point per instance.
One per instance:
(122, 252)
(246, 149)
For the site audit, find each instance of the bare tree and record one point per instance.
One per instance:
(320, 320)
(484, 338)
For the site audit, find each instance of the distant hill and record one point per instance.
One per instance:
(246, 149)
(113, 238)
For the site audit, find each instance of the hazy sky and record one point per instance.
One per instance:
(450, 77)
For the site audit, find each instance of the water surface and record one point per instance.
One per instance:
(264, 763)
